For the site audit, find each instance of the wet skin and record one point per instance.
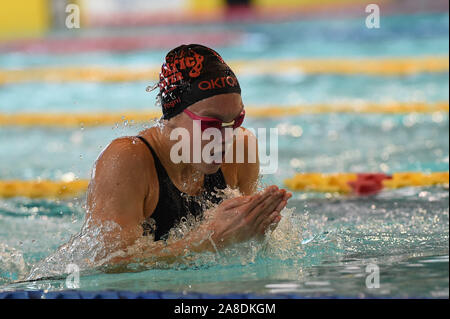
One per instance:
(124, 187)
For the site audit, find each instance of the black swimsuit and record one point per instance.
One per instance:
(174, 205)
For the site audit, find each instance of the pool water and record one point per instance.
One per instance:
(326, 244)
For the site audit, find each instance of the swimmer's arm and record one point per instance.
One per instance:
(149, 253)
(116, 193)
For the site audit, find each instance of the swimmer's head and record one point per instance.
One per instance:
(196, 82)
(190, 74)
(226, 108)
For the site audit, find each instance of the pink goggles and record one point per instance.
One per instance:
(210, 122)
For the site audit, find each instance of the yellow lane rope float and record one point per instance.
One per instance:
(98, 119)
(374, 66)
(310, 182)
(42, 189)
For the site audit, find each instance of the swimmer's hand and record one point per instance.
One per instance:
(246, 217)
(234, 220)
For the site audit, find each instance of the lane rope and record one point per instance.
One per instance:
(99, 119)
(363, 183)
(358, 183)
(43, 189)
(367, 66)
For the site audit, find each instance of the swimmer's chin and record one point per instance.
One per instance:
(208, 168)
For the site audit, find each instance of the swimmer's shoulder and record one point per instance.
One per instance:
(127, 157)
(248, 139)
(126, 149)
(120, 184)
(243, 175)
(246, 135)
(127, 160)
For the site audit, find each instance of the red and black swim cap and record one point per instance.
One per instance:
(192, 73)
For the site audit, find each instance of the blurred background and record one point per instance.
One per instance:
(99, 57)
(345, 98)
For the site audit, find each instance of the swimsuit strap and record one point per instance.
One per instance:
(160, 170)
(172, 204)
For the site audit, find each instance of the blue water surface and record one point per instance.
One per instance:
(330, 239)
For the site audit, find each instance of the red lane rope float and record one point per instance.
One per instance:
(368, 184)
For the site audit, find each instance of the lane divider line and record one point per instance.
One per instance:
(363, 183)
(357, 183)
(366, 66)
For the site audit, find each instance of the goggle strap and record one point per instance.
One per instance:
(224, 124)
